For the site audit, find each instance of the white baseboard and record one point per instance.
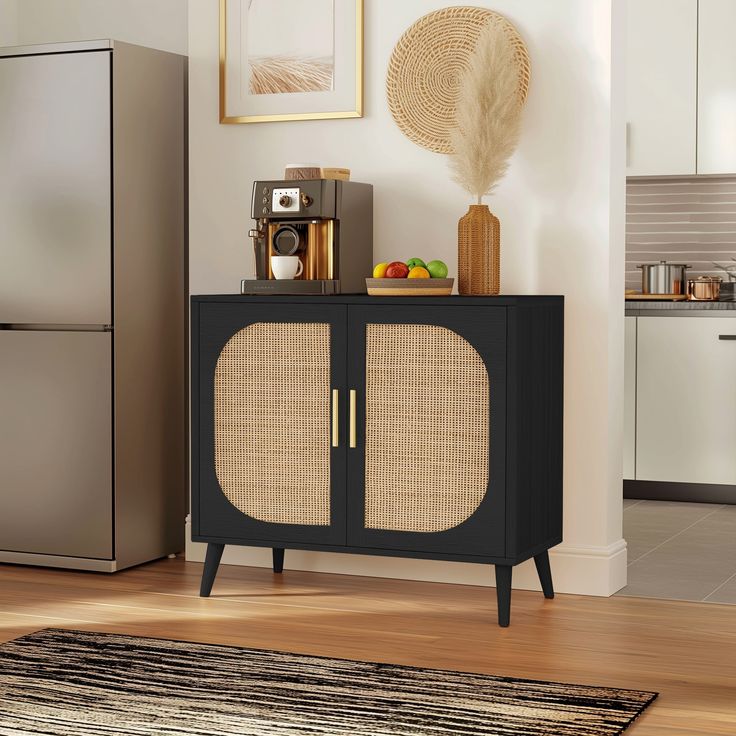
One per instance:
(597, 571)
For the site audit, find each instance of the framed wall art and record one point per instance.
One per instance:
(290, 60)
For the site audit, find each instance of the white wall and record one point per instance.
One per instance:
(562, 214)
(561, 209)
(8, 22)
(160, 24)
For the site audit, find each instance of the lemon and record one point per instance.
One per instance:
(379, 270)
(418, 272)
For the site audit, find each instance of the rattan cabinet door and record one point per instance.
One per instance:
(270, 461)
(427, 472)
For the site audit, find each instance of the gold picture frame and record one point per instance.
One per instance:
(227, 115)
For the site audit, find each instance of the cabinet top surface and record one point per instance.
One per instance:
(450, 301)
(679, 309)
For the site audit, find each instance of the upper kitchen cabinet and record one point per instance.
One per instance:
(681, 87)
(662, 57)
(716, 87)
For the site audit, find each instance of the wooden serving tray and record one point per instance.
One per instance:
(409, 287)
(656, 297)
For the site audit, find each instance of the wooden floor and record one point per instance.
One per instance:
(686, 651)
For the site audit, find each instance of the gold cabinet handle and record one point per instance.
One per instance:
(353, 430)
(335, 418)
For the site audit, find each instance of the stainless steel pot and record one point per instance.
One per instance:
(663, 278)
(704, 289)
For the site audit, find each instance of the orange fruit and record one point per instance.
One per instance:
(418, 272)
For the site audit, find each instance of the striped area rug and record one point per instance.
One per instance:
(78, 683)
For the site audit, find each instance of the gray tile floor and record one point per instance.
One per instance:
(681, 551)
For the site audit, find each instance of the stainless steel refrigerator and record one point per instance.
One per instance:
(92, 304)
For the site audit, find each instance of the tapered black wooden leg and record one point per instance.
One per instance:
(278, 559)
(545, 574)
(503, 593)
(211, 563)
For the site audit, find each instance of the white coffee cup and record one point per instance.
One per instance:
(286, 267)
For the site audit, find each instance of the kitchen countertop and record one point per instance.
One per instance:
(647, 308)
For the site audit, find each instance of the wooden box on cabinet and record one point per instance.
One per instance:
(428, 428)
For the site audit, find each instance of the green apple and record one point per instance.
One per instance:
(414, 262)
(437, 269)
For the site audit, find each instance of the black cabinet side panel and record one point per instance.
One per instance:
(534, 470)
(194, 417)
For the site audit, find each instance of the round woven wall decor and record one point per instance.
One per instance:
(426, 65)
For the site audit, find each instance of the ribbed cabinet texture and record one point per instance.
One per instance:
(426, 427)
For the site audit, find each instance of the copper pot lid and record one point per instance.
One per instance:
(706, 280)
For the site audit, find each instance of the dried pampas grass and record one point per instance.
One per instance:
(271, 75)
(488, 114)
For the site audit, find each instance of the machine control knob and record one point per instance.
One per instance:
(306, 199)
(285, 200)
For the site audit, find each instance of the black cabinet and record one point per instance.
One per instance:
(427, 427)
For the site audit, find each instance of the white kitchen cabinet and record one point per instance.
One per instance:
(686, 399)
(630, 398)
(716, 87)
(661, 97)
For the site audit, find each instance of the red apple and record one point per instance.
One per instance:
(397, 270)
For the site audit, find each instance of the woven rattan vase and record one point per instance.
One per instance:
(479, 252)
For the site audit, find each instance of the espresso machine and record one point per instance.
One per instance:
(327, 224)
